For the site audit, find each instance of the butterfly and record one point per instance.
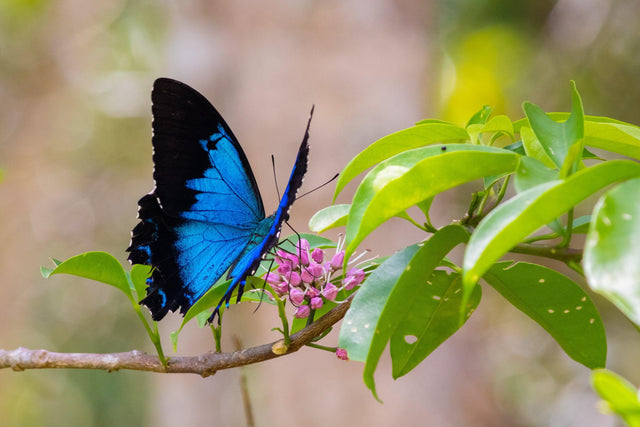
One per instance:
(205, 215)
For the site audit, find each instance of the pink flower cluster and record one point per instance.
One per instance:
(306, 277)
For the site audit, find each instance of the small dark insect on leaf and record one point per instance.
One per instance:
(443, 148)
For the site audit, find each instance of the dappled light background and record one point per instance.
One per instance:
(75, 156)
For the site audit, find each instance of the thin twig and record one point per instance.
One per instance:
(205, 364)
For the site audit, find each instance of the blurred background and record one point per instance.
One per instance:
(75, 155)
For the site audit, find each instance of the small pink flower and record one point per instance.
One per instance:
(341, 354)
(316, 270)
(284, 268)
(294, 278)
(286, 258)
(296, 296)
(317, 255)
(337, 260)
(307, 276)
(312, 292)
(272, 278)
(330, 292)
(357, 273)
(281, 288)
(302, 312)
(316, 302)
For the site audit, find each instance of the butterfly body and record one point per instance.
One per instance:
(205, 215)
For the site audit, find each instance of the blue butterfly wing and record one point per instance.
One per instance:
(268, 231)
(205, 207)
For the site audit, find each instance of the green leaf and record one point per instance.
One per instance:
(526, 212)
(380, 304)
(563, 116)
(499, 125)
(612, 251)
(614, 137)
(390, 145)
(557, 304)
(531, 173)
(534, 149)
(139, 275)
(98, 266)
(329, 217)
(620, 396)
(431, 317)
(414, 176)
(481, 116)
(556, 138)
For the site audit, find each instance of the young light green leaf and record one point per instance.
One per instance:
(612, 252)
(557, 304)
(431, 317)
(499, 125)
(380, 304)
(614, 137)
(413, 176)
(563, 116)
(98, 266)
(526, 212)
(533, 148)
(620, 396)
(329, 217)
(531, 173)
(139, 274)
(398, 142)
(481, 116)
(556, 138)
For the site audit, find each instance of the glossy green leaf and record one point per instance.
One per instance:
(531, 173)
(533, 148)
(481, 116)
(514, 220)
(329, 217)
(500, 125)
(98, 266)
(615, 137)
(556, 138)
(619, 395)
(139, 275)
(563, 116)
(398, 142)
(380, 304)
(557, 304)
(612, 249)
(414, 176)
(431, 317)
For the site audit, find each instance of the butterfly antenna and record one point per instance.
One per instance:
(275, 178)
(318, 187)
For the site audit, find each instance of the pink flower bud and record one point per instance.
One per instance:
(302, 312)
(341, 354)
(296, 296)
(294, 278)
(285, 258)
(330, 292)
(316, 302)
(316, 270)
(284, 269)
(281, 288)
(272, 278)
(303, 245)
(337, 260)
(304, 258)
(350, 282)
(357, 273)
(317, 255)
(312, 292)
(306, 276)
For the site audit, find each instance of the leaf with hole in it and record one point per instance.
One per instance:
(431, 317)
(620, 396)
(510, 223)
(329, 217)
(398, 142)
(612, 251)
(557, 304)
(380, 304)
(98, 266)
(556, 138)
(414, 176)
